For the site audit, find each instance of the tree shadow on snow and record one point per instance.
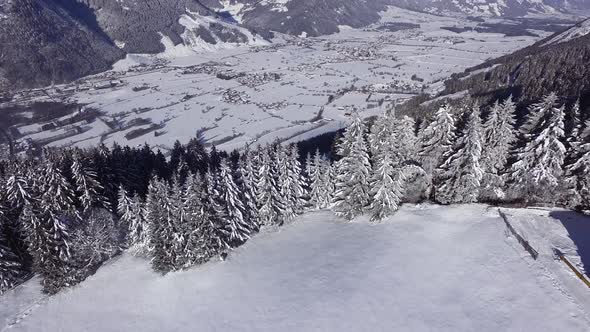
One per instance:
(578, 227)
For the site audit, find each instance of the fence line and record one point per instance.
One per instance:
(569, 264)
(525, 244)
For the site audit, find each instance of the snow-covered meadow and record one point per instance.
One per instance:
(428, 268)
(290, 89)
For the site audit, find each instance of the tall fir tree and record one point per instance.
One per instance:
(202, 240)
(352, 195)
(248, 179)
(537, 170)
(269, 205)
(461, 172)
(88, 188)
(11, 269)
(236, 230)
(405, 144)
(436, 141)
(498, 141)
(387, 184)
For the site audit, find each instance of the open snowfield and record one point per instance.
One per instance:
(427, 268)
(292, 88)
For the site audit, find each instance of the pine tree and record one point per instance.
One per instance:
(537, 171)
(353, 171)
(387, 184)
(203, 241)
(405, 143)
(380, 133)
(235, 229)
(216, 211)
(328, 171)
(127, 216)
(267, 193)
(11, 269)
(317, 183)
(297, 182)
(437, 140)
(159, 213)
(576, 179)
(461, 172)
(18, 191)
(247, 179)
(45, 222)
(87, 185)
(497, 143)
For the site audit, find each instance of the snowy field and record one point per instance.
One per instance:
(425, 269)
(290, 89)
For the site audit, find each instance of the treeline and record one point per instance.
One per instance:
(63, 215)
(466, 155)
(66, 213)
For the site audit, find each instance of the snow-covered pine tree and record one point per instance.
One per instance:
(159, 214)
(140, 231)
(498, 141)
(267, 193)
(461, 172)
(248, 177)
(317, 186)
(88, 188)
(436, 140)
(178, 219)
(46, 221)
(537, 169)
(58, 196)
(279, 170)
(576, 179)
(380, 132)
(203, 241)
(11, 269)
(387, 183)
(576, 125)
(18, 191)
(328, 171)
(352, 195)
(216, 212)
(235, 229)
(126, 215)
(298, 181)
(405, 144)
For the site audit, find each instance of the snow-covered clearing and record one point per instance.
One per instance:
(425, 269)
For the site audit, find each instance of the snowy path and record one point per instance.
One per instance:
(437, 269)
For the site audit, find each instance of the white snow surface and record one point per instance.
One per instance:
(428, 268)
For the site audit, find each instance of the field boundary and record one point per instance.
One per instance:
(525, 244)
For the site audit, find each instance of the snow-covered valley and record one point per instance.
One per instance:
(290, 89)
(428, 268)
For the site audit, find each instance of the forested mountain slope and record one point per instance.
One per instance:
(44, 42)
(557, 64)
(318, 17)
(55, 41)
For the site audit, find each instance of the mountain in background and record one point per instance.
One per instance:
(55, 41)
(44, 42)
(319, 17)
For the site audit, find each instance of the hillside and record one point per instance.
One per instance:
(427, 268)
(557, 64)
(44, 42)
